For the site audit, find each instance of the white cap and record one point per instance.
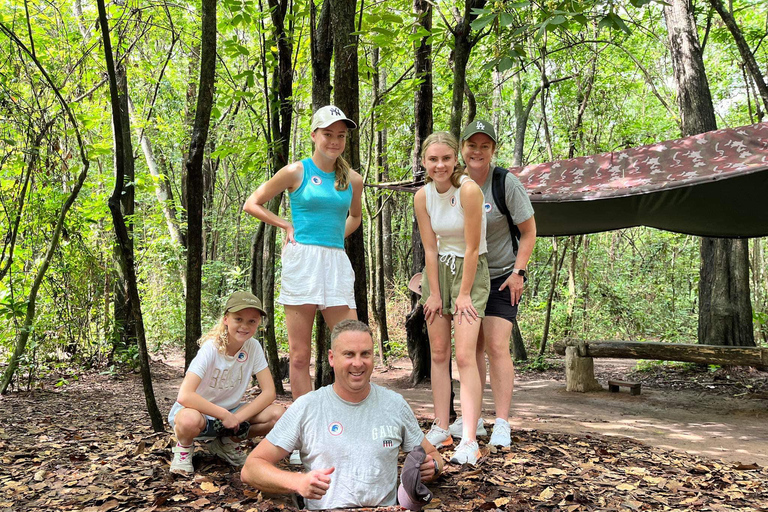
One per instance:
(329, 114)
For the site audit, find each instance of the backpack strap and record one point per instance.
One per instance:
(498, 186)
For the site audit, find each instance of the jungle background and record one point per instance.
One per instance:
(132, 132)
(558, 79)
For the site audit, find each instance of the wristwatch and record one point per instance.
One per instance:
(519, 272)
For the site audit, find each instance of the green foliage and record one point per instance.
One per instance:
(631, 284)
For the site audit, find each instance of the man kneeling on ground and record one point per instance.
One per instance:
(349, 435)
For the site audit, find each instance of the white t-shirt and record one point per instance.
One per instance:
(361, 440)
(225, 378)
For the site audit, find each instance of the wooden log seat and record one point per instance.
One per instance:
(579, 368)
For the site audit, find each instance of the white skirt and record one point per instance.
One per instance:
(313, 274)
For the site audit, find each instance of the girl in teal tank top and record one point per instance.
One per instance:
(326, 207)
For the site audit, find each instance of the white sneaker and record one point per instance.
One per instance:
(457, 428)
(439, 436)
(295, 458)
(229, 451)
(502, 433)
(182, 460)
(467, 453)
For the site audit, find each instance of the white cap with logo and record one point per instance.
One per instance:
(329, 114)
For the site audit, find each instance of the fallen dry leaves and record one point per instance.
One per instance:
(88, 447)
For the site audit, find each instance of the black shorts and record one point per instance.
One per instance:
(500, 302)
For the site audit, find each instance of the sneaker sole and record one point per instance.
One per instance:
(444, 444)
(477, 459)
(181, 472)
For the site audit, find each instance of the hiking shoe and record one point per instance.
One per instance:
(182, 460)
(457, 427)
(295, 458)
(502, 433)
(233, 453)
(467, 453)
(439, 436)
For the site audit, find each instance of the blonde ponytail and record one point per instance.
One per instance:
(342, 170)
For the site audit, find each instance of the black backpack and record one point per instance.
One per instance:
(498, 186)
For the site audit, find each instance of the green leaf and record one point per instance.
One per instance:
(392, 18)
(619, 23)
(506, 19)
(557, 20)
(505, 63)
(479, 23)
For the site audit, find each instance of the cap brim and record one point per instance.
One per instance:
(468, 135)
(350, 124)
(235, 309)
(415, 283)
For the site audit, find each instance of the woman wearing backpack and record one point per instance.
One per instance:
(507, 261)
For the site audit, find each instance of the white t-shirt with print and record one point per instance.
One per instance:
(361, 440)
(225, 378)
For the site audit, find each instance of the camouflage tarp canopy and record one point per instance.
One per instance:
(712, 184)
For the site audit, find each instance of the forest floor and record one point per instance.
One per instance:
(694, 439)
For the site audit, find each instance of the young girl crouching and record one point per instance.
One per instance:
(209, 404)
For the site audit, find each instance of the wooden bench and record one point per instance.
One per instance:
(579, 354)
(614, 385)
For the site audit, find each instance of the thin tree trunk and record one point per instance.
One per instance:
(725, 307)
(746, 53)
(380, 293)
(462, 48)
(346, 94)
(121, 230)
(518, 345)
(557, 264)
(124, 330)
(321, 44)
(194, 181)
(415, 326)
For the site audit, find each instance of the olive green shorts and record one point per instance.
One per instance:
(450, 284)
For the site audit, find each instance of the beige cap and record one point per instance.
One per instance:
(239, 301)
(329, 114)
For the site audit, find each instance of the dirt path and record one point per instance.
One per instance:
(701, 423)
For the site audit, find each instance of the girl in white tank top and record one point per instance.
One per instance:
(449, 210)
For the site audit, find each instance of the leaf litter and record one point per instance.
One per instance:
(89, 447)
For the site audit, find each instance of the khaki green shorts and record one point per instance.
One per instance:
(450, 284)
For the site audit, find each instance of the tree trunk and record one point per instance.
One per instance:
(194, 181)
(557, 264)
(415, 327)
(280, 117)
(121, 231)
(124, 330)
(323, 371)
(462, 48)
(163, 191)
(725, 307)
(346, 94)
(321, 44)
(746, 53)
(380, 288)
(518, 345)
(522, 113)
